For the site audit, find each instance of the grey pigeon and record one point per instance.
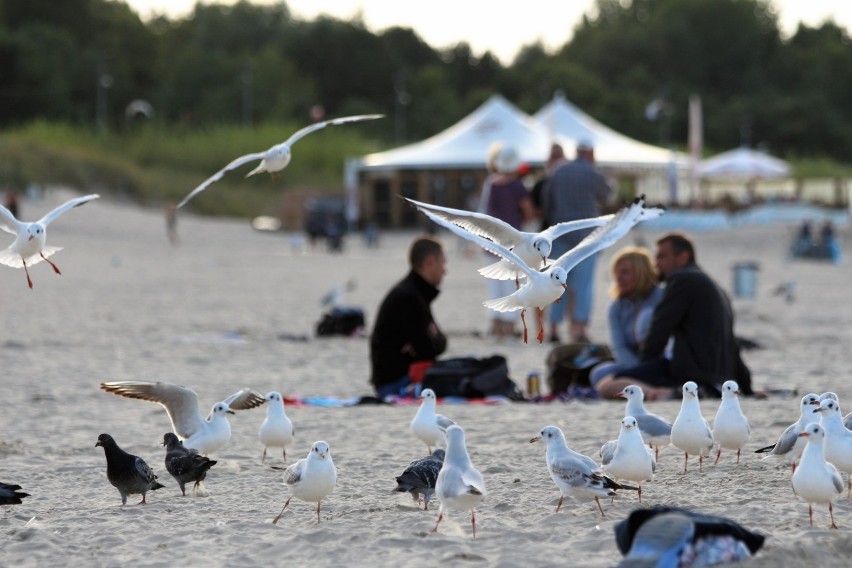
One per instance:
(184, 463)
(420, 477)
(10, 495)
(128, 473)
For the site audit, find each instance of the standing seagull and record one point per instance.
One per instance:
(181, 404)
(29, 246)
(690, 432)
(420, 476)
(312, 478)
(127, 473)
(815, 480)
(427, 424)
(838, 440)
(730, 427)
(656, 430)
(11, 494)
(532, 248)
(573, 473)
(628, 457)
(277, 157)
(277, 430)
(546, 286)
(459, 485)
(789, 445)
(184, 464)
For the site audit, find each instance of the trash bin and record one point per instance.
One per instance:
(745, 279)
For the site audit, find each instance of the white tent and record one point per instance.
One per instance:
(562, 120)
(743, 164)
(465, 144)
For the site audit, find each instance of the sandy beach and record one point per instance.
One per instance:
(232, 307)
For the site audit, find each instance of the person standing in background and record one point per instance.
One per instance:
(554, 160)
(576, 190)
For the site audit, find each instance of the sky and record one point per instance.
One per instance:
(501, 27)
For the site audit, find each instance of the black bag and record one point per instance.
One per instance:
(341, 321)
(470, 377)
(571, 364)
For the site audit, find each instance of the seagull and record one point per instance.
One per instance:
(690, 432)
(312, 478)
(420, 476)
(11, 494)
(427, 424)
(656, 430)
(184, 464)
(730, 427)
(275, 158)
(277, 430)
(574, 473)
(532, 248)
(838, 439)
(546, 286)
(29, 246)
(815, 480)
(127, 473)
(181, 404)
(334, 297)
(628, 457)
(789, 446)
(459, 485)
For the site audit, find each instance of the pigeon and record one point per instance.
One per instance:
(275, 158)
(127, 473)
(312, 478)
(838, 440)
(789, 445)
(544, 287)
(427, 424)
(29, 247)
(532, 248)
(730, 427)
(573, 473)
(656, 430)
(11, 494)
(690, 432)
(628, 457)
(277, 430)
(181, 404)
(815, 480)
(420, 476)
(184, 464)
(459, 486)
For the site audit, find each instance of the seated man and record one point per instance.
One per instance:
(405, 331)
(696, 313)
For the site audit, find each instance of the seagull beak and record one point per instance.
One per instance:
(535, 439)
(620, 395)
(814, 402)
(805, 434)
(31, 238)
(817, 409)
(566, 287)
(229, 411)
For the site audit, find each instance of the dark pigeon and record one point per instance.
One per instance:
(128, 473)
(10, 494)
(420, 477)
(184, 463)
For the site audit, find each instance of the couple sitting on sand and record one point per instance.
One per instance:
(663, 335)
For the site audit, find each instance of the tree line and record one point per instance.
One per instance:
(632, 65)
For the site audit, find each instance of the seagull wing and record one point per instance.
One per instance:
(8, 222)
(490, 246)
(65, 207)
(333, 122)
(293, 474)
(443, 422)
(218, 175)
(786, 441)
(181, 403)
(244, 399)
(480, 224)
(608, 451)
(559, 229)
(569, 471)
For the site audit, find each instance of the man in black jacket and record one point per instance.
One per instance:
(696, 313)
(405, 331)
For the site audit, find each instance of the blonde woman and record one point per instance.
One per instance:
(635, 292)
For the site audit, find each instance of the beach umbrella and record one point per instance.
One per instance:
(743, 164)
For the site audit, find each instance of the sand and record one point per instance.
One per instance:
(211, 314)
